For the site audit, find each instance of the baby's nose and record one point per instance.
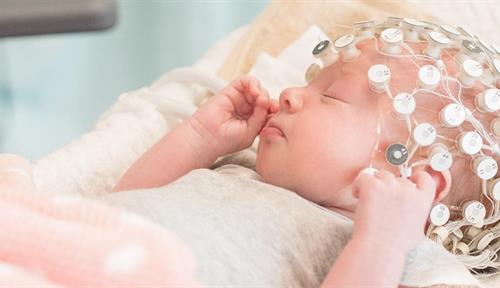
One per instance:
(291, 100)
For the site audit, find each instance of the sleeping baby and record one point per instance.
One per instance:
(367, 107)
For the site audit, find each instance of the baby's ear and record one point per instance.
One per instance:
(443, 182)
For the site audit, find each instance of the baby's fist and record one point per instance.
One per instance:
(232, 119)
(391, 209)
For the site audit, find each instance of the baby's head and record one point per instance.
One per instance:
(337, 125)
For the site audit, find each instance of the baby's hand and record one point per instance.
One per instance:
(232, 119)
(392, 211)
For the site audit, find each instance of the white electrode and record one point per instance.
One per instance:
(495, 126)
(474, 212)
(452, 115)
(470, 142)
(494, 189)
(437, 41)
(439, 158)
(424, 134)
(439, 215)
(488, 100)
(412, 29)
(429, 77)
(347, 47)
(379, 76)
(485, 167)
(391, 41)
(324, 51)
(404, 104)
(469, 72)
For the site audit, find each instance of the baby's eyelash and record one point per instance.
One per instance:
(328, 94)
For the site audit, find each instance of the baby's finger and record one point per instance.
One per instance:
(239, 102)
(257, 120)
(263, 99)
(362, 183)
(254, 87)
(274, 107)
(245, 85)
(424, 182)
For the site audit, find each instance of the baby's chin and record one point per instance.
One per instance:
(264, 170)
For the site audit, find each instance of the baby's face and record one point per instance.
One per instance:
(330, 128)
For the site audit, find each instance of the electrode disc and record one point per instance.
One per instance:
(440, 214)
(452, 115)
(470, 142)
(404, 104)
(312, 72)
(393, 21)
(322, 46)
(441, 161)
(489, 100)
(429, 76)
(474, 212)
(392, 35)
(424, 134)
(472, 68)
(496, 66)
(344, 41)
(364, 25)
(379, 74)
(494, 189)
(450, 31)
(412, 22)
(495, 126)
(439, 38)
(471, 47)
(485, 167)
(396, 154)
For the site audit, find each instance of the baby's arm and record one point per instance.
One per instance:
(178, 152)
(363, 264)
(227, 123)
(389, 222)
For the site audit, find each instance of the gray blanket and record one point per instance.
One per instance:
(247, 233)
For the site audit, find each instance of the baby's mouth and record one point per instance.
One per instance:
(272, 128)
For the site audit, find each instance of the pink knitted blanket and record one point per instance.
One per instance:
(68, 241)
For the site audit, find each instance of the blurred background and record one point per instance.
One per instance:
(53, 87)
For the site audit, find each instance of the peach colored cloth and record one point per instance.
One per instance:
(69, 241)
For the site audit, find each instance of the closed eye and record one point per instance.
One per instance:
(326, 95)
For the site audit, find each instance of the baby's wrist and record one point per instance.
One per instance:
(202, 141)
(382, 247)
(383, 243)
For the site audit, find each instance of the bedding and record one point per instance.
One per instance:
(51, 240)
(91, 165)
(244, 232)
